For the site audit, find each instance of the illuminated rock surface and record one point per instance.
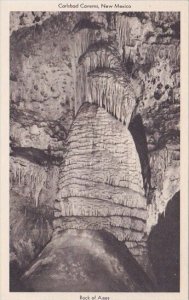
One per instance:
(81, 261)
(100, 180)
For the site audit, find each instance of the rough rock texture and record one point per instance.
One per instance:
(29, 18)
(123, 144)
(42, 102)
(32, 190)
(101, 181)
(145, 48)
(165, 181)
(85, 261)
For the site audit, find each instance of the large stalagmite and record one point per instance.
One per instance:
(100, 182)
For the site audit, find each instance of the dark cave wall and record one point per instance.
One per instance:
(164, 249)
(32, 193)
(138, 133)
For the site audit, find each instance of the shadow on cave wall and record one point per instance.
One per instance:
(137, 131)
(29, 234)
(15, 273)
(164, 247)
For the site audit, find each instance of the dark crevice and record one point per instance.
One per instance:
(87, 24)
(140, 15)
(137, 130)
(35, 155)
(164, 247)
(72, 218)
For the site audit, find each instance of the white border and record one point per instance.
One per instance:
(5, 8)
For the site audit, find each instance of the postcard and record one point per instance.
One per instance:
(94, 150)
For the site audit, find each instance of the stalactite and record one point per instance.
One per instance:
(165, 177)
(78, 45)
(27, 176)
(107, 88)
(124, 29)
(101, 59)
(99, 77)
(101, 54)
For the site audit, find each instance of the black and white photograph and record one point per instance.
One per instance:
(94, 151)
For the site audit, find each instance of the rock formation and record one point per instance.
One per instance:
(85, 261)
(100, 180)
(94, 132)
